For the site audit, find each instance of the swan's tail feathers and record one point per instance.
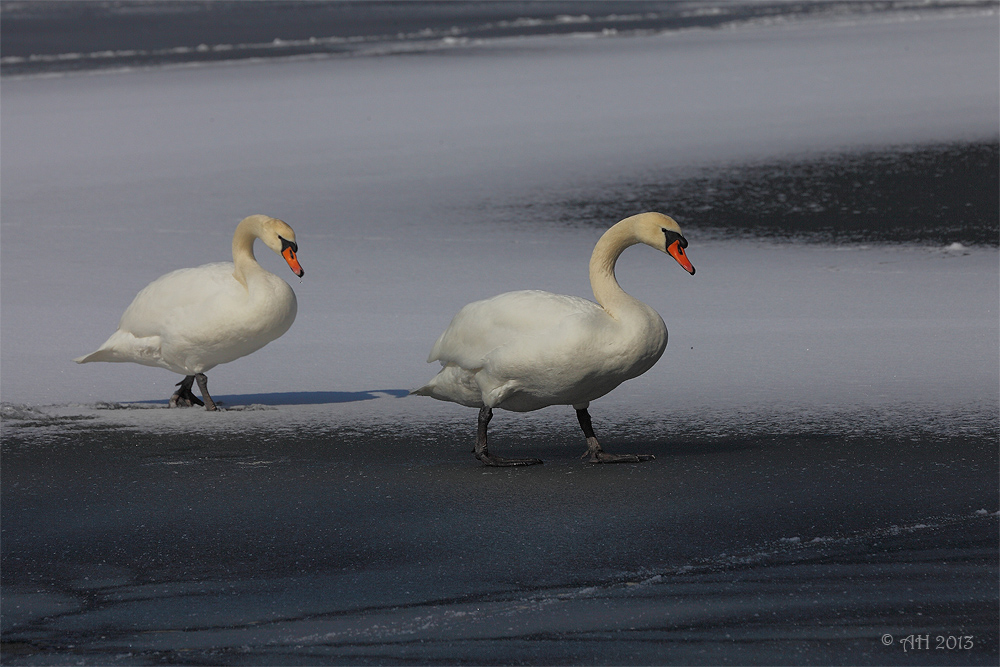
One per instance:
(431, 389)
(122, 346)
(99, 355)
(453, 384)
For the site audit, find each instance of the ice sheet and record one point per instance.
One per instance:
(403, 178)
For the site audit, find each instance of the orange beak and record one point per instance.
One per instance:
(677, 252)
(293, 261)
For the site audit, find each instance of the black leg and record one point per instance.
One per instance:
(483, 454)
(485, 415)
(594, 451)
(203, 387)
(184, 397)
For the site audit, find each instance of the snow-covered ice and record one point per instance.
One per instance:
(403, 178)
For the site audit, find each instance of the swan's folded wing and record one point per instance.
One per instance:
(170, 297)
(483, 326)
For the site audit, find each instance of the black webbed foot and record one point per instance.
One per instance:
(594, 453)
(184, 397)
(482, 452)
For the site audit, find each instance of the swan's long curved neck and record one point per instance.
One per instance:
(609, 248)
(243, 257)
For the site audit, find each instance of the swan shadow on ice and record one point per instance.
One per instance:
(304, 397)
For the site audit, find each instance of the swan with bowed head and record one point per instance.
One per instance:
(191, 320)
(530, 349)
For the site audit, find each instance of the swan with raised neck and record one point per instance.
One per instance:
(526, 350)
(655, 230)
(276, 235)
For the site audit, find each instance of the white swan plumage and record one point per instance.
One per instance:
(530, 349)
(191, 320)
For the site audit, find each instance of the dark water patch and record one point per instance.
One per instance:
(75, 35)
(930, 194)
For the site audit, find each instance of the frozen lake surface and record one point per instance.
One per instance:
(825, 416)
(366, 533)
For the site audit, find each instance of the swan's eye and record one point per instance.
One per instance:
(286, 244)
(673, 236)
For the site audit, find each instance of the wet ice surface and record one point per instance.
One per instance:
(298, 534)
(824, 418)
